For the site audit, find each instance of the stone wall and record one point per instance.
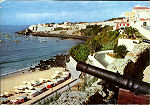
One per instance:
(134, 62)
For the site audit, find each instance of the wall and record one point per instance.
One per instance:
(134, 62)
(71, 66)
(41, 28)
(93, 60)
(144, 32)
(128, 43)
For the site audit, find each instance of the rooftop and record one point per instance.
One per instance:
(141, 8)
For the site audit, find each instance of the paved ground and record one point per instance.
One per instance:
(147, 28)
(101, 59)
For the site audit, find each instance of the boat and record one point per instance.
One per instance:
(17, 41)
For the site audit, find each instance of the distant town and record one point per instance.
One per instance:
(138, 18)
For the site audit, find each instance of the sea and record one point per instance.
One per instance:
(19, 52)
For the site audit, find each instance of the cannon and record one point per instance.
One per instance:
(119, 80)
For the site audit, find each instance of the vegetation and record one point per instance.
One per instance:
(51, 99)
(115, 18)
(80, 52)
(107, 39)
(120, 51)
(131, 32)
(83, 22)
(87, 84)
(60, 28)
(92, 30)
(92, 81)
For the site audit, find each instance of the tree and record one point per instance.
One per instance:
(121, 51)
(130, 31)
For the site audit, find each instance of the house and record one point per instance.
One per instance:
(121, 25)
(139, 15)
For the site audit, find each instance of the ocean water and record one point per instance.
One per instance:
(18, 52)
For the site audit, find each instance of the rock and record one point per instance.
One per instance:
(118, 65)
(138, 50)
(96, 99)
(71, 98)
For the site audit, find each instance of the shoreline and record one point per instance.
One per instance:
(33, 67)
(44, 34)
(8, 82)
(61, 36)
(15, 73)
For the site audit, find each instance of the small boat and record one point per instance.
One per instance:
(44, 41)
(27, 39)
(17, 41)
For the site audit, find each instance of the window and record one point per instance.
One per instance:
(144, 23)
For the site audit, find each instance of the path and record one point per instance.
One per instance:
(100, 57)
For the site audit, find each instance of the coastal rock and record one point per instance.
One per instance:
(71, 98)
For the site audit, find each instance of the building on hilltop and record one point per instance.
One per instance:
(121, 25)
(139, 15)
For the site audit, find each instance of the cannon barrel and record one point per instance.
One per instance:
(119, 80)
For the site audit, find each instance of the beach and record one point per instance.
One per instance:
(10, 81)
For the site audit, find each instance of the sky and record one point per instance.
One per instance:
(35, 12)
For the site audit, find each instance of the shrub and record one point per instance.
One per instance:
(104, 41)
(80, 52)
(120, 51)
(130, 31)
(58, 28)
(92, 30)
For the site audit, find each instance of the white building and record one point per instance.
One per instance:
(139, 16)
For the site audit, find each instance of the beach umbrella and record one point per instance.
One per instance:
(53, 76)
(3, 99)
(16, 87)
(17, 91)
(24, 86)
(20, 87)
(30, 87)
(1, 95)
(56, 72)
(37, 82)
(6, 93)
(27, 91)
(32, 81)
(24, 82)
(41, 79)
(28, 83)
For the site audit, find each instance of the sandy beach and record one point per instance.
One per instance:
(9, 82)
